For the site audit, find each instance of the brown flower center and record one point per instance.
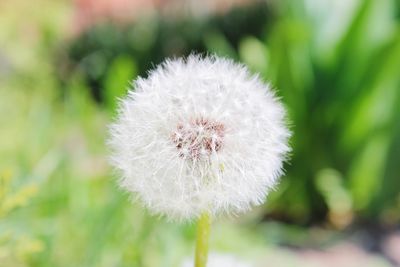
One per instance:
(198, 138)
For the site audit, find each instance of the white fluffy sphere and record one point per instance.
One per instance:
(199, 135)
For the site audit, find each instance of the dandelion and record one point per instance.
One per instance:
(198, 138)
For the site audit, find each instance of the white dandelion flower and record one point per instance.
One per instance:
(199, 135)
(221, 260)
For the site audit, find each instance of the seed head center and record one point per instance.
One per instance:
(198, 138)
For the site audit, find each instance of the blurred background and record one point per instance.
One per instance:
(63, 64)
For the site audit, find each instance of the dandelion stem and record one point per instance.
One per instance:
(203, 233)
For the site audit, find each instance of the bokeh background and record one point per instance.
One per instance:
(64, 63)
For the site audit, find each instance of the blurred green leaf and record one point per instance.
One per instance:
(217, 43)
(366, 173)
(123, 70)
(255, 54)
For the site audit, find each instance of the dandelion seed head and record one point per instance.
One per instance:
(199, 135)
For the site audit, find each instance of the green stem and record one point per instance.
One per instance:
(203, 233)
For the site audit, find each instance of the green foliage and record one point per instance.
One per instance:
(149, 41)
(16, 248)
(122, 70)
